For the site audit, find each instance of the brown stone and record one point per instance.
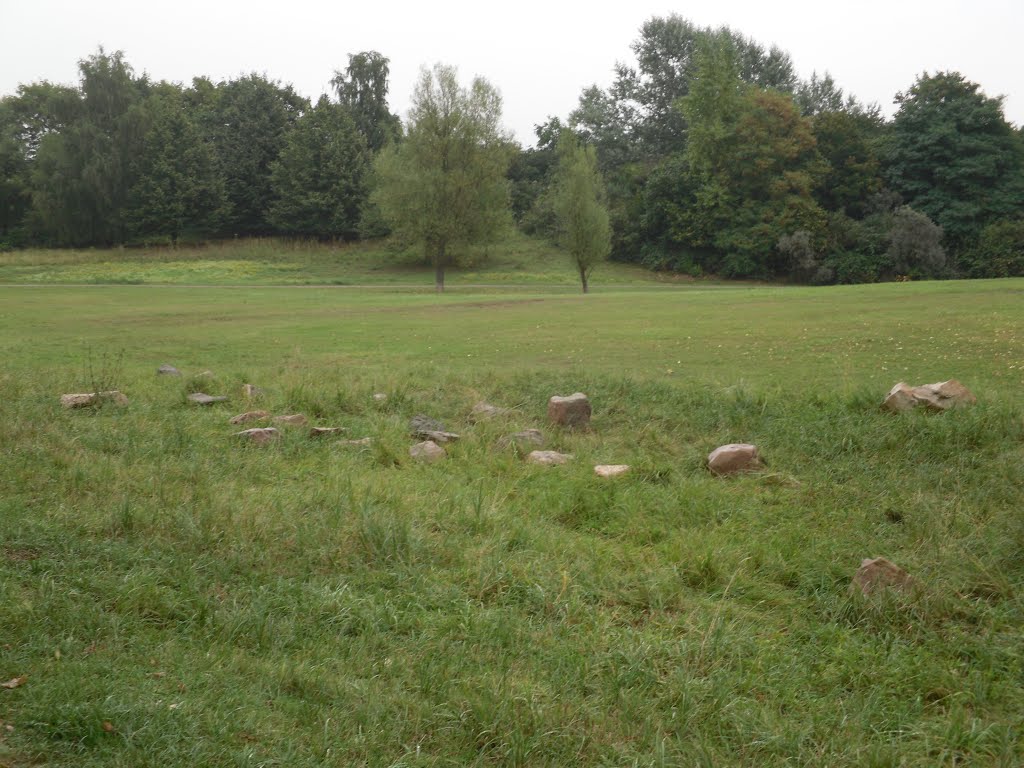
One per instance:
(900, 398)
(326, 431)
(549, 458)
(292, 420)
(259, 435)
(878, 574)
(248, 416)
(936, 397)
(483, 411)
(90, 399)
(735, 457)
(571, 411)
(611, 470)
(428, 451)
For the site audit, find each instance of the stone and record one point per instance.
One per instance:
(259, 435)
(167, 370)
(935, 397)
(90, 399)
(419, 424)
(944, 395)
(379, 397)
(735, 457)
(483, 411)
(201, 398)
(549, 458)
(360, 443)
(206, 375)
(248, 416)
(878, 574)
(251, 391)
(325, 431)
(528, 438)
(292, 420)
(438, 437)
(611, 470)
(571, 411)
(428, 451)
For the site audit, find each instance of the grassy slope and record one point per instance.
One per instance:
(310, 605)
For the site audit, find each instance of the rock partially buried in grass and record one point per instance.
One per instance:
(326, 431)
(483, 411)
(360, 443)
(167, 370)
(438, 437)
(572, 411)
(379, 397)
(244, 418)
(935, 397)
(259, 435)
(292, 420)
(420, 425)
(251, 391)
(549, 458)
(201, 398)
(611, 470)
(428, 451)
(735, 457)
(90, 399)
(878, 574)
(528, 438)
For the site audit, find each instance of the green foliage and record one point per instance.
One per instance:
(999, 252)
(953, 156)
(319, 180)
(363, 89)
(443, 187)
(847, 142)
(578, 203)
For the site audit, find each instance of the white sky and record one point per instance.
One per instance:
(539, 54)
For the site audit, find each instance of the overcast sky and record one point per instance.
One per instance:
(539, 54)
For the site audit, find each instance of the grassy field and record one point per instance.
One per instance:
(517, 260)
(176, 598)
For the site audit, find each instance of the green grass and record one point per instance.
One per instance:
(306, 604)
(518, 260)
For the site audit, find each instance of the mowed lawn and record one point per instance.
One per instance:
(170, 596)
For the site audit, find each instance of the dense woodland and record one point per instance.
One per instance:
(715, 157)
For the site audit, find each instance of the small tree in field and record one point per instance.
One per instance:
(443, 186)
(582, 219)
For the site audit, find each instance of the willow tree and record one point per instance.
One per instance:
(443, 186)
(578, 201)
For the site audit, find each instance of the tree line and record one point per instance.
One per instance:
(708, 156)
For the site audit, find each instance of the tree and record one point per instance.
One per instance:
(954, 157)
(443, 187)
(915, 244)
(582, 227)
(320, 178)
(363, 88)
(177, 187)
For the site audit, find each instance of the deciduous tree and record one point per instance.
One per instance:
(578, 202)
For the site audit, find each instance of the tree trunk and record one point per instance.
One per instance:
(583, 280)
(439, 270)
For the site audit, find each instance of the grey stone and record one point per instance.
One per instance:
(248, 416)
(201, 398)
(292, 420)
(571, 411)
(428, 451)
(549, 458)
(528, 438)
(167, 370)
(90, 399)
(419, 424)
(259, 435)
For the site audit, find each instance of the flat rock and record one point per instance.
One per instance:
(292, 420)
(735, 457)
(483, 411)
(326, 431)
(248, 416)
(940, 396)
(571, 411)
(420, 424)
(90, 399)
(878, 574)
(251, 391)
(528, 438)
(259, 435)
(201, 398)
(167, 370)
(360, 443)
(548, 458)
(611, 470)
(438, 437)
(379, 397)
(428, 451)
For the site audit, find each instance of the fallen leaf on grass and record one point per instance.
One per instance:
(15, 682)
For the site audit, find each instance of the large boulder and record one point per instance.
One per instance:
(549, 458)
(735, 457)
(571, 411)
(428, 452)
(90, 399)
(877, 574)
(940, 396)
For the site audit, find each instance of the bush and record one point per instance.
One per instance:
(999, 252)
